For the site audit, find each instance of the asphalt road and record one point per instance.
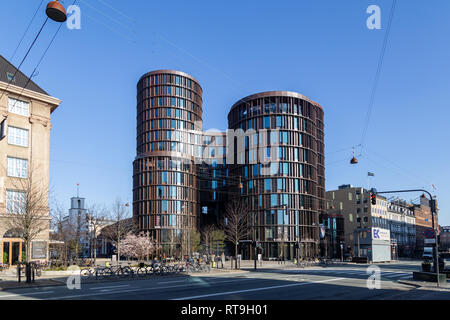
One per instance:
(336, 282)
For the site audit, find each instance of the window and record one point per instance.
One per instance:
(15, 201)
(18, 107)
(270, 216)
(17, 136)
(17, 167)
(280, 184)
(164, 177)
(160, 191)
(280, 217)
(280, 122)
(273, 200)
(267, 122)
(267, 185)
(11, 77)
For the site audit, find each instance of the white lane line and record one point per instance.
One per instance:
(25, 294)
(257, 289)
(143, 289)
(109, 287)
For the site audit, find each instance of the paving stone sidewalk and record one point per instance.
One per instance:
(426, 284)
(11, 284)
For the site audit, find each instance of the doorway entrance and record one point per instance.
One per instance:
(12, 247)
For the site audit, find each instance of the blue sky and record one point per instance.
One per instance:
(321, 49)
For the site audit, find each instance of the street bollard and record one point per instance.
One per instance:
(28, 272)
(19, 271)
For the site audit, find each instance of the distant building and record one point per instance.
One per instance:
(75, 224)
(330, 245)
(25, 124)
(175, 190)
(105, 239)
(82, 227)
(444, 238)
(360, 217)
(402, 224)
(422, 212)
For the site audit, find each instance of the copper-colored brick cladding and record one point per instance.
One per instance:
(165, 186)
(304, 184)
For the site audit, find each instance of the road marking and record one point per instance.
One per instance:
(143, 289)
(25, 293)
(256, 289)
(109, 287)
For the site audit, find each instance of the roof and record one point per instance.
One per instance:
(275, 94)
(7, 68)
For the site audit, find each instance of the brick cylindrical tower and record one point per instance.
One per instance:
(165, 179)
(285, 192)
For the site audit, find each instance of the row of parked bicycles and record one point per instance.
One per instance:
(312, 263)
(143, 270)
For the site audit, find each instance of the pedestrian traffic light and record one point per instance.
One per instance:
(373, 198)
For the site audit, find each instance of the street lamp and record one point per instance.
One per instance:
(56, 11)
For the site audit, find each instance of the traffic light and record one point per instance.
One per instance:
(373, 198)
(433, 205)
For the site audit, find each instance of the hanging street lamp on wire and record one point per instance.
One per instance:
(56, 11)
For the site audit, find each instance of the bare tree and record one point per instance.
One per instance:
(121, 225)
(62, 232)
(30, 212)
(207, 232)
(235, 224)
(96, 219)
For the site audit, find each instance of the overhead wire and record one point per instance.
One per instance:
(26, 55)
(37, 65)
(26, 31)
(377, 75)
(40, 60)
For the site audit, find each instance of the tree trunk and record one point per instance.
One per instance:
(95, 251)
(28, 251)
(236, 254)
(118, 251)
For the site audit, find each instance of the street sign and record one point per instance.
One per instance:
(381, 234)
(429, 233)
(428, 241)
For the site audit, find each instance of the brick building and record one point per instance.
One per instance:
(422, 212)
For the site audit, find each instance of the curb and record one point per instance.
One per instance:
(417, 285)
(409, 283)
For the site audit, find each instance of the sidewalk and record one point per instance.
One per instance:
(13, 284)
(426, 284)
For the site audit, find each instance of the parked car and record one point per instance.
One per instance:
(446, 261)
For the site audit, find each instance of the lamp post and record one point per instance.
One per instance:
(358, 231)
